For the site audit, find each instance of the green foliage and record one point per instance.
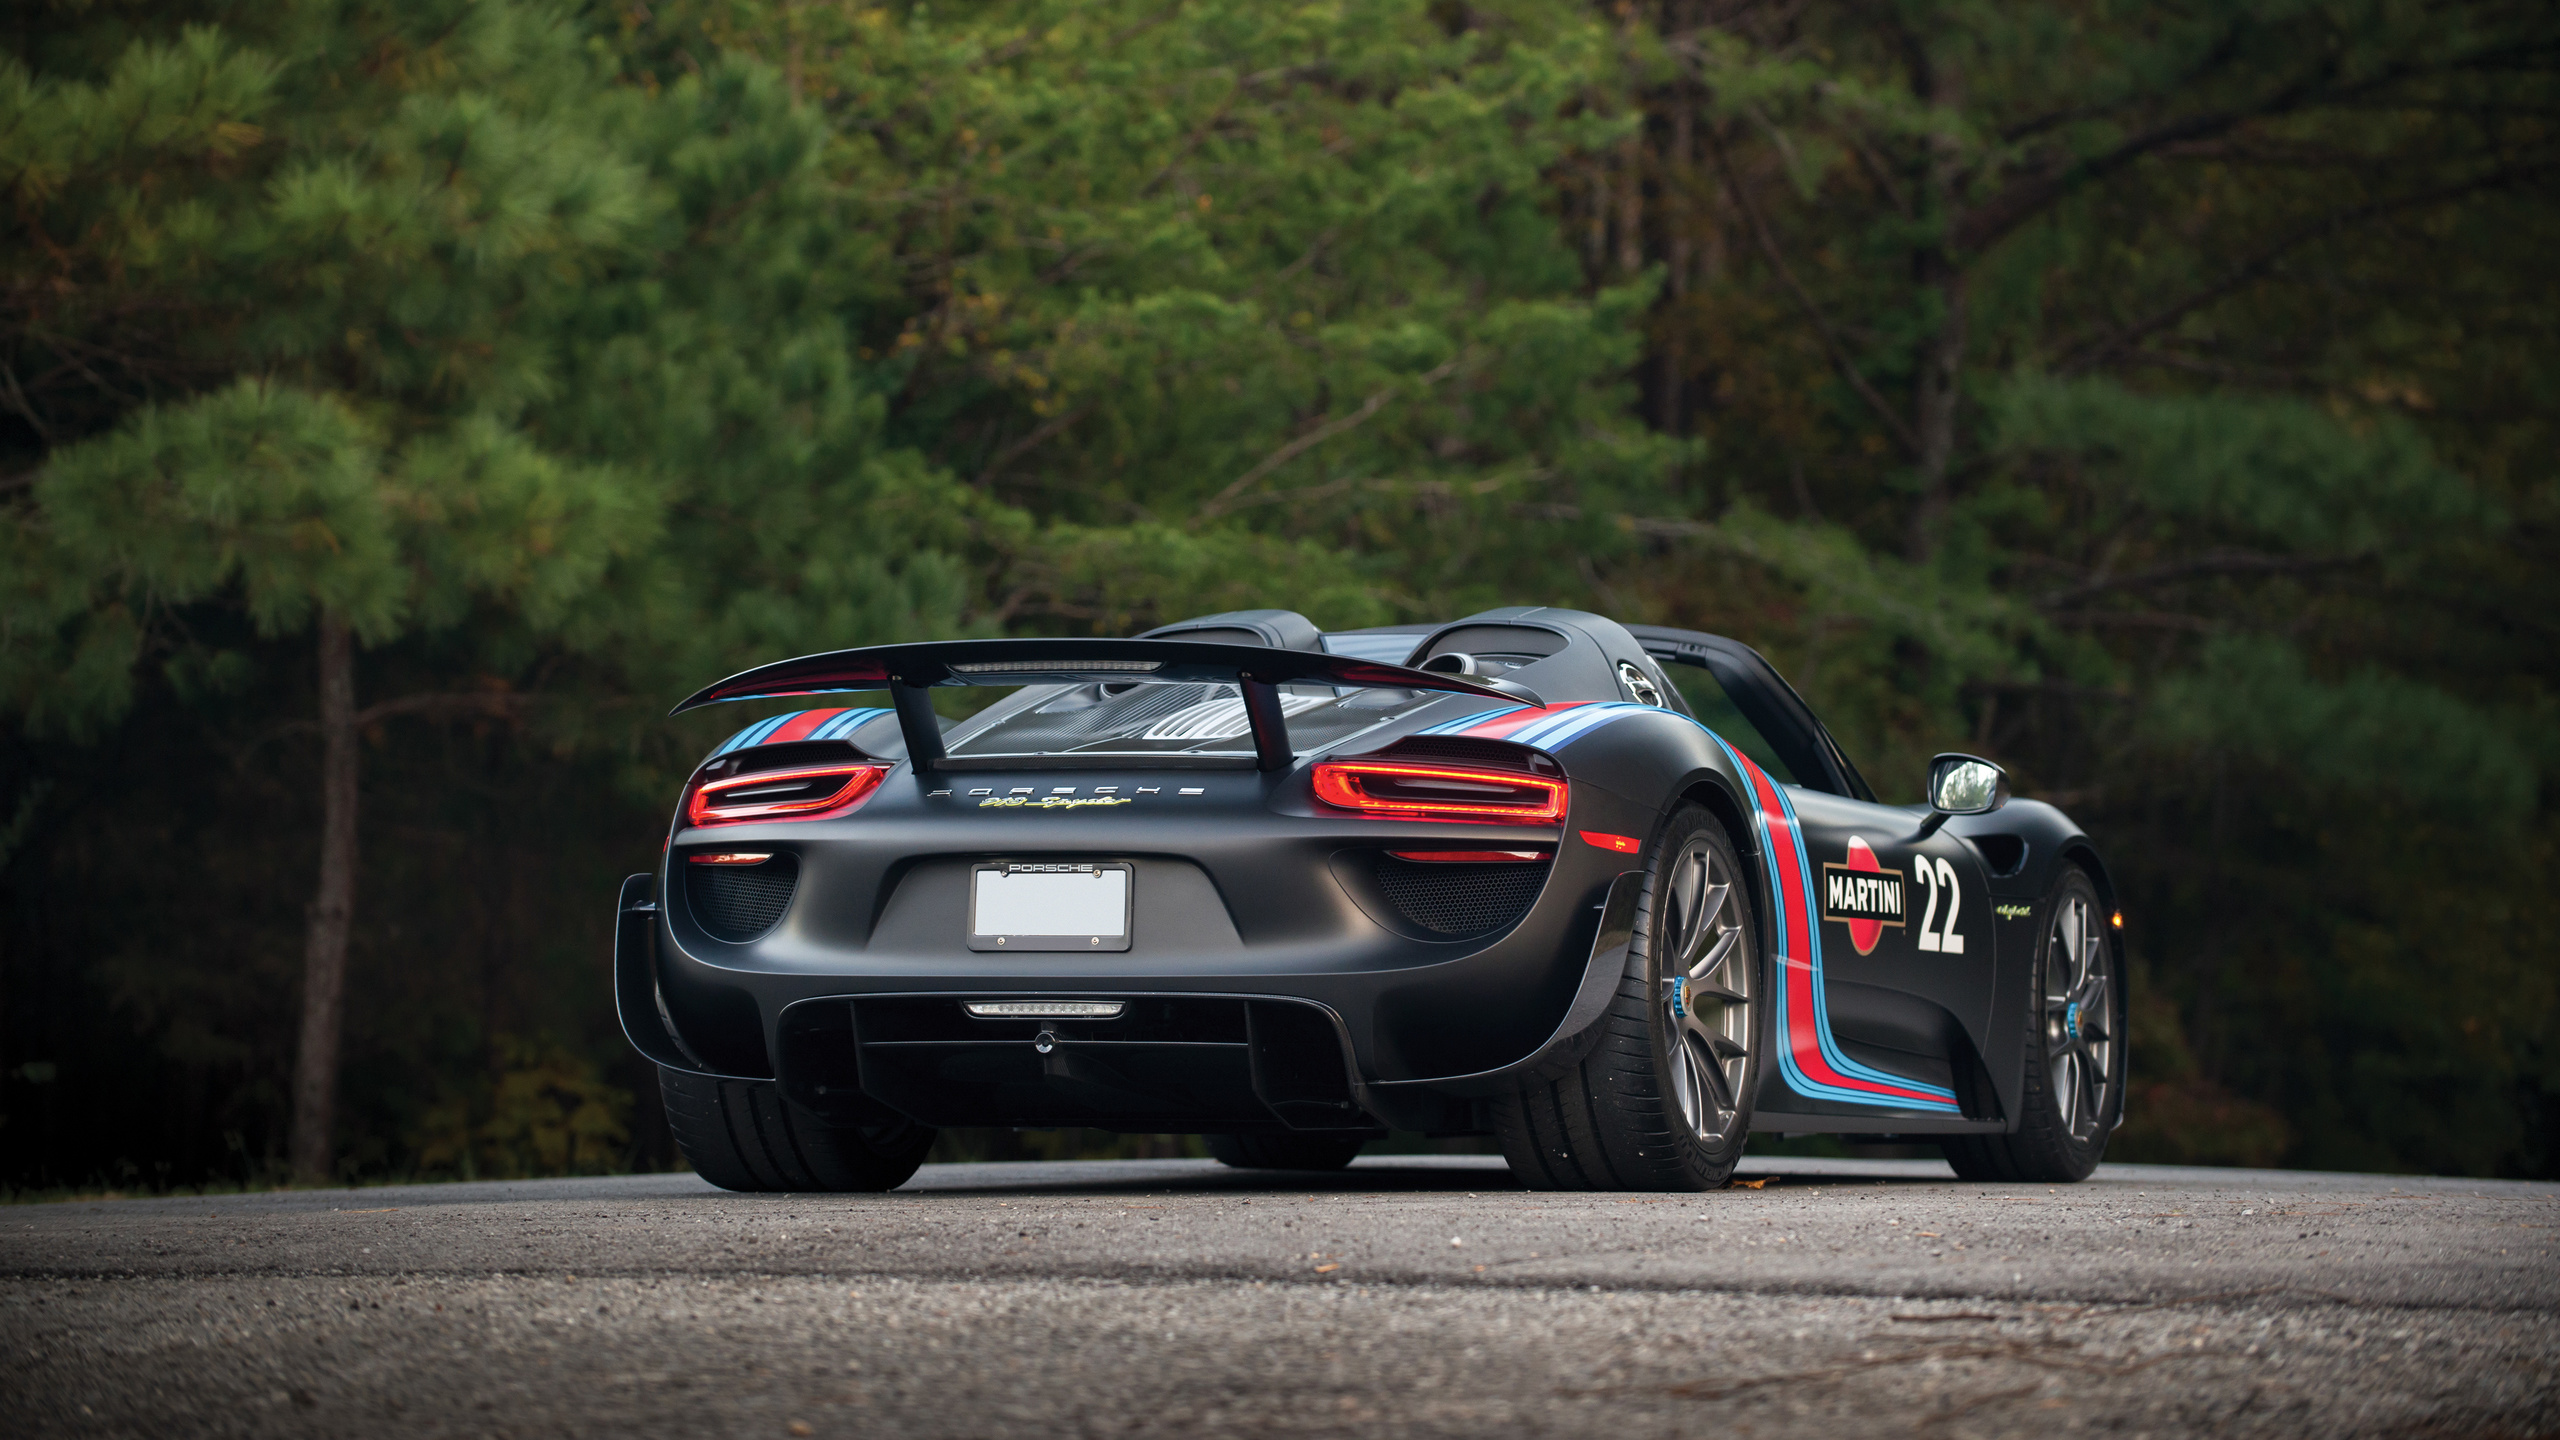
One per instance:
(545, 1111)
(2371, 734)
(2272, 471)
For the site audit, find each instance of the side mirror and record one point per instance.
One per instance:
(1963, 785)
(1967, 785)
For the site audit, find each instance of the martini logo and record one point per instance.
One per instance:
(1862, 895)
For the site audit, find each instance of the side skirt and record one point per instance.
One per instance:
(1770, 1122)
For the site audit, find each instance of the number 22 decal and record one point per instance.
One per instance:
(1940, 877)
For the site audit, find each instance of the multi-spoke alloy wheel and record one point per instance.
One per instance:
(2072, 1085)
(2079, 1015)
(1706, 990)
(1661, 1099)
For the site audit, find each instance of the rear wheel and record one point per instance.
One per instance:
(2075, 1052)
(1285, 1152)
(1663, 1102)
(743, 1135)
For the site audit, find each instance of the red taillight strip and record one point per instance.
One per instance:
(1356, 785)
(702, 806)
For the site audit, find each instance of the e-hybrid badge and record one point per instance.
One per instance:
(1050, 905)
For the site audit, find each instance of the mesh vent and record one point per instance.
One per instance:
(1460, 900)
(740, 902)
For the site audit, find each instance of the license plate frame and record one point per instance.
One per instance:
(1045, 893)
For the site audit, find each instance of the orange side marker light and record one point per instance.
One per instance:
(1622, 844)
(2119, 919)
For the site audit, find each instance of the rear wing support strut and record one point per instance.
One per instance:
(1270, 723)
(918, 723)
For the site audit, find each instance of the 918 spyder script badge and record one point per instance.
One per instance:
(1049, 802)
(1863, 895)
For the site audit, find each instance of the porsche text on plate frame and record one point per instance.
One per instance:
(1610, 894)
(1050, 905)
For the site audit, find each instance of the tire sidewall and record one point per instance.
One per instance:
(1710, 1163)
(2082, 1154)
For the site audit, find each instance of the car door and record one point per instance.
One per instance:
(1895, 978)
(1905, 939)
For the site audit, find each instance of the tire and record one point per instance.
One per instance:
(1663, 1100)
(2075, 1065)
(742, 1135)
(1285, 1152)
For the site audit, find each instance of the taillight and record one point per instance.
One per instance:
(809, 793)
(1413, 790)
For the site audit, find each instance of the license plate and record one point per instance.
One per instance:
(1050, 905)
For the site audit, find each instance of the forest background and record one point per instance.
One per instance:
(402, 404)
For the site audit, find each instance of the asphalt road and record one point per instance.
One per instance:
(1404, 1297)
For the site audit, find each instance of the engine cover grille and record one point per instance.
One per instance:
(737, 903)
(1459, 900)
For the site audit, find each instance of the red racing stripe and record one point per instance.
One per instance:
(799, 726)
(1501, 725)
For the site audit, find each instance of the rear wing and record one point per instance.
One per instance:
(908, 671)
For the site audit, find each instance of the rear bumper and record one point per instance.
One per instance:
(1284, 987)
(1215, 1051)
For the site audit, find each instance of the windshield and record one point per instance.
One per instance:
(1120, 719)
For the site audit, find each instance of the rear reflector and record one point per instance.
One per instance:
(1044, 1009)
(1415, 790)
(1622, 844)
(1473, 857)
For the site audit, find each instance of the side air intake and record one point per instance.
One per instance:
(1462, 900)
(737, 902)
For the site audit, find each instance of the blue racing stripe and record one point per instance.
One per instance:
(846, 723)
(753, 734)
(1577, 722)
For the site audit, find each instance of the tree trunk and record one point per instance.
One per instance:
(1940, 387)
(1631, 201)
(1941, 390)
(1678, 173)
(324, 965)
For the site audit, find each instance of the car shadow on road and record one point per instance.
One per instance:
(1369, 1175)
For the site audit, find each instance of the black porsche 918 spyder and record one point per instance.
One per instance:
(1607, 892)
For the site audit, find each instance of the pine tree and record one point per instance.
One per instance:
(364, 257)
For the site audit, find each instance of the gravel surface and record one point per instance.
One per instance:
(1406, 1296)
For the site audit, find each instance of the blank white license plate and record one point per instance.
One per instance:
(1050, 905)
